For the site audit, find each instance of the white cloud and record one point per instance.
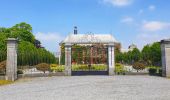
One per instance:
(155, 26)
(149, 38)
(127, 20)
(152, 8)
(50, 40)
(118, 2)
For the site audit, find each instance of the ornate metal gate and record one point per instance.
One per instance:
(89, 59)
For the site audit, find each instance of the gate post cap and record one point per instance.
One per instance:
(12, 39)
(165, 41)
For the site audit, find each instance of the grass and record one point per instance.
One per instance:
(5, 82)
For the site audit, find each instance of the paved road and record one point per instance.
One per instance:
(88, 88)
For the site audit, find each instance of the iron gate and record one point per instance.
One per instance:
(89, 60)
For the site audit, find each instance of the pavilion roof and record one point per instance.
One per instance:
(89, 39)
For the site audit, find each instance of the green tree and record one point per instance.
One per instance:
(136, 55)
(156, 54)
(23, 31)
(146, 55)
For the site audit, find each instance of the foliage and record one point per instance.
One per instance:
(85, 67)
(138, 66)
(128, 57)
(136, 55)
(2, 67)
(146, 54)
(5, 82)
(22, 31)
(55, 67)
(150, 55)
(19, 71)
(43, 67)
(152, 71)
(28, 53)
(155, 70)
(60, 69)
(119, 69)
(156, 54)
(62, 62)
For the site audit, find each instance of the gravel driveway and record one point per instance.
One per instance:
(88, 88)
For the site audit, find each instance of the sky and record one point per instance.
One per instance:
(130, 21)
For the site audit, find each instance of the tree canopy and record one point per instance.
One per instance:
(28, 52)
(149, 55)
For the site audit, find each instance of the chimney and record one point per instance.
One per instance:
(75, 30)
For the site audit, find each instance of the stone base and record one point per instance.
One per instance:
(111, 72)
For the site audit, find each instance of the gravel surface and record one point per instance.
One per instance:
(88, 88)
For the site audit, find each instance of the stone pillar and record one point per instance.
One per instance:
(111, 59)
(68, 59)
(11, 66)
(165, 48)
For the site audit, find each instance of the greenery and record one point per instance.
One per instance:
(2, 67)
(155, 70)
(128, 57)
(55, 67)
(119, 69)
(85, 67)
(43, 67)
(152, 71)
(150, 55)
(138, 66)
(19, 71)
(5, 82)
(28, 52)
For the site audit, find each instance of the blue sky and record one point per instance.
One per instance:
(129, 21)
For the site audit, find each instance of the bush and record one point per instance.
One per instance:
(5, 82)
(160, 72)
(119, 69)
(152, 71)
(60, 68)
(43, 67)
(138, 66)
(2, 67)
(19, 71)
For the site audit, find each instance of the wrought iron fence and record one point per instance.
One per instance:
(37, 63)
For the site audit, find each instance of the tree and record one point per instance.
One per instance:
(22, 31)
(136, 55)
(43, 67)
(156, 54)
(146, 54)
(138, 66)
(152, 54)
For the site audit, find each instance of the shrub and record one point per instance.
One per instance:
(138, 66)
(43, 67)
(2, 67)
(160, 72)
(60, 69)
(152, 71)
(119, 69)
(5, 82)
(19, 71)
